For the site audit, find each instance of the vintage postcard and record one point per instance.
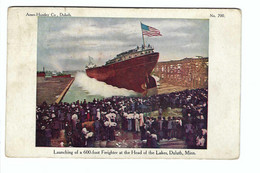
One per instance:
(123, 83)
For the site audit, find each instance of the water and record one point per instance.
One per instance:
(88, 88)
(76, 93)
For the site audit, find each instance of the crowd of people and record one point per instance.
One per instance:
(87, 122)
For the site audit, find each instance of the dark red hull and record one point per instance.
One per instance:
(131, 74)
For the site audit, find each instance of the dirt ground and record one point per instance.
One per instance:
(176, 112)
(165, 88)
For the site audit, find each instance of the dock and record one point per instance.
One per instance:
(52, 90)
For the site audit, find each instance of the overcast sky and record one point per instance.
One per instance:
(64, 43)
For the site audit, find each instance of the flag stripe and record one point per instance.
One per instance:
(150, 31)
(148, 34)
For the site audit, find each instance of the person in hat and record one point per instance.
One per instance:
(153, 141)
(129, 120)
(125, 121)
(165, 128)
(97, 127)
(142, 129)
(93, 112)
(84, 133)
(56, 128)
(149, 139)
(170, 127)
(61, 144)
(137, 123)
(98, 113)
(111, 129)
(48, 135)
(107, 130)
(62, 119)
(68, 117)
(160, 111)
(200, 142)
(74, 119)
(160, 122)
(88, 115)
(90, 139)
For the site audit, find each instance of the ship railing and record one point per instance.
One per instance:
(124, 55)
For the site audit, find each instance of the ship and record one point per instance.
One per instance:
(130, 70)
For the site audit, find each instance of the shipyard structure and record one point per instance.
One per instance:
(189, 72)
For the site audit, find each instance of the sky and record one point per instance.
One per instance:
(65, 43)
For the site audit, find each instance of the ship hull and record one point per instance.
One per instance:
(132, 74)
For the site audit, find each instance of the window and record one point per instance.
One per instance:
(178, 66)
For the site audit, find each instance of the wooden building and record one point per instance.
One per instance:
(188, 72)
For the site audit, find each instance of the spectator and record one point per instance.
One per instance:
(103, 117)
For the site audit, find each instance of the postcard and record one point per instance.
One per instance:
(123, 83)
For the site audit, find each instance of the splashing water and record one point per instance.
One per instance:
(95, 87)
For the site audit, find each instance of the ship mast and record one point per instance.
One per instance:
(142, 34)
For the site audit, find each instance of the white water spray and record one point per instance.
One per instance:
(95, 87)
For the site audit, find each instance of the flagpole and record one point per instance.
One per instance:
(142, 34)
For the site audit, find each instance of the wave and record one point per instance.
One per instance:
(95, 87)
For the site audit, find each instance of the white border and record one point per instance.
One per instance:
(224, 80)
(249, 116)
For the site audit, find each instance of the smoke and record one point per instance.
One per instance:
(95, 87)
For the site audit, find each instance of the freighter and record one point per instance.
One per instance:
(130, 69)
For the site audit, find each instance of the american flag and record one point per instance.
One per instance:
(150, 31)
